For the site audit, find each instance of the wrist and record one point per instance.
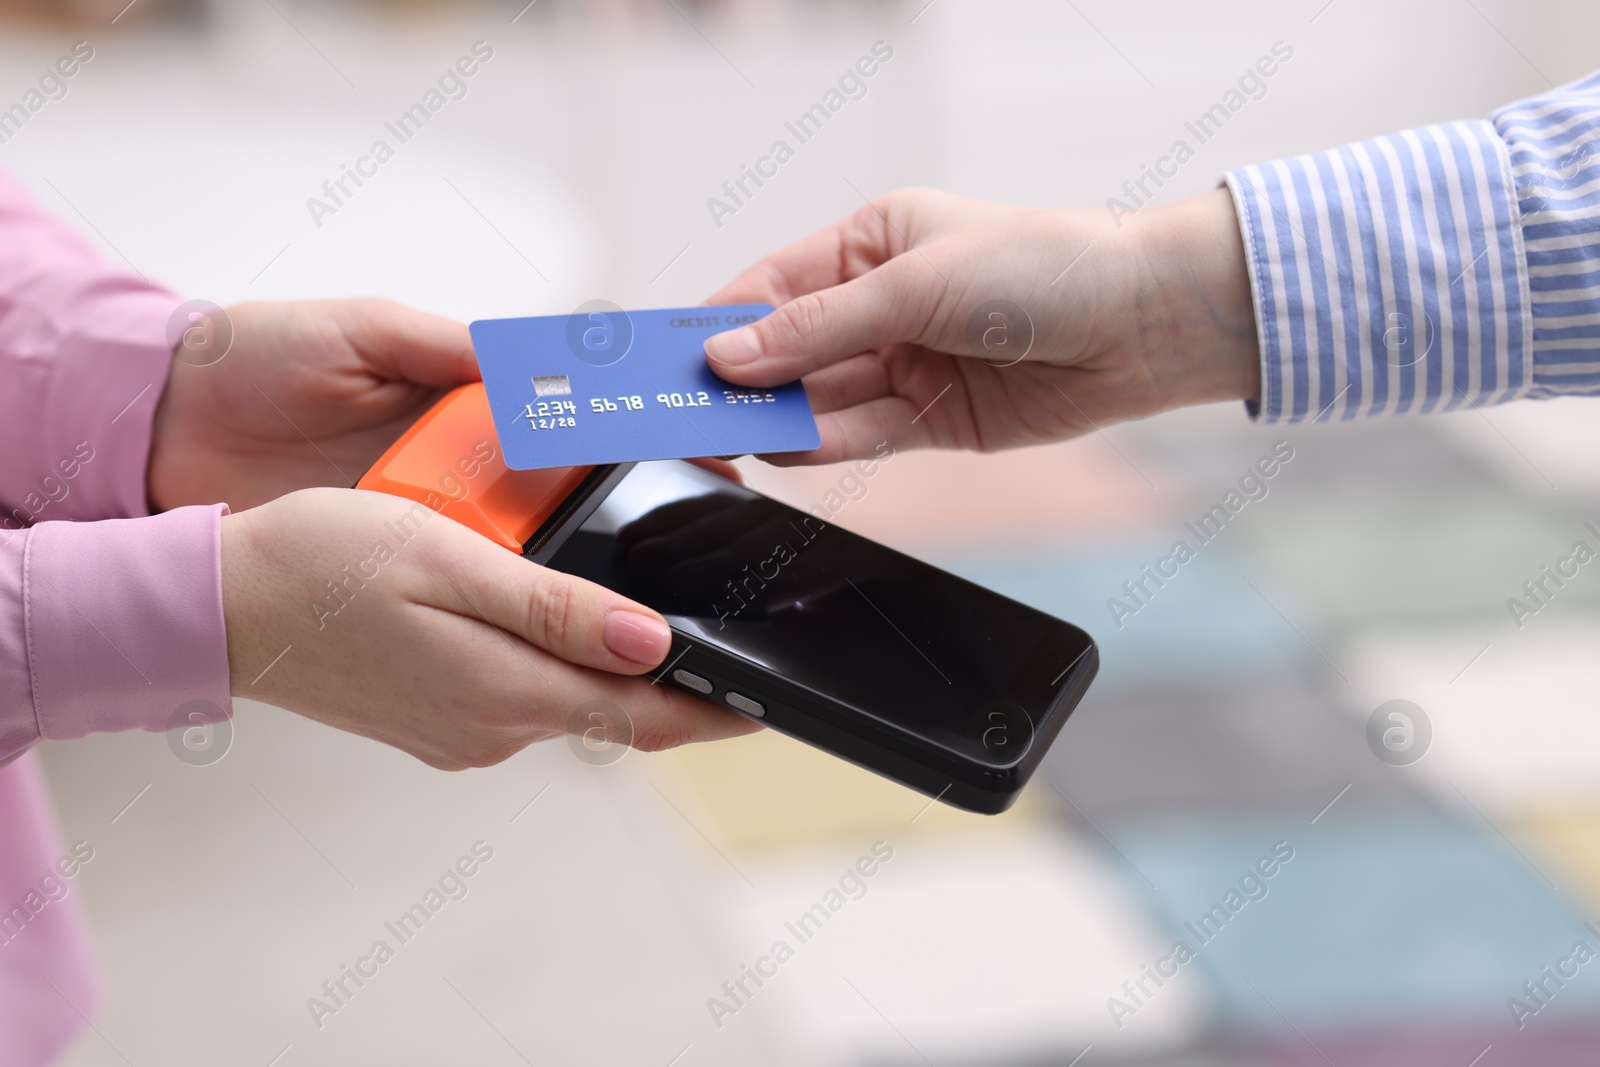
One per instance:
(1194, 311)
(184, 447)
(157, 479)
(242, 601)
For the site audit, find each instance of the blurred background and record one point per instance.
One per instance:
(1231, 715)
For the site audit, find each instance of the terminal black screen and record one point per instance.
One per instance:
(914, 647)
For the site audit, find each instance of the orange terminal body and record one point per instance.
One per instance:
(450, 461)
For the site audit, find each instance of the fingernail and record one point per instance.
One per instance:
(734, 348)
(637, 637)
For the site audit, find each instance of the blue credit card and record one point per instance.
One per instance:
(603, 385)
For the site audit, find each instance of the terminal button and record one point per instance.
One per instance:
(740, 702)
(691, 681)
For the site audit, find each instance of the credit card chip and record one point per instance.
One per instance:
(552, 385)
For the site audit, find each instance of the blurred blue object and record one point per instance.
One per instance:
(1204, 625)
(1388, 920)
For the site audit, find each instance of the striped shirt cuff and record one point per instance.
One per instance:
(1554, 146)
(1388, 276)
(1434, 268)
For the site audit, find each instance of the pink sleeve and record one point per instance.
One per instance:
(83, 358)
(106, 625)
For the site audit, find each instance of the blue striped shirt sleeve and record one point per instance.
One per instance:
(1446, 266)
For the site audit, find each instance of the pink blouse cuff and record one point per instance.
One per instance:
(123, 623)
(130, 373)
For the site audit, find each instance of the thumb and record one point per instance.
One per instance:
(570, 618)
(890, 304)
(401, 343)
